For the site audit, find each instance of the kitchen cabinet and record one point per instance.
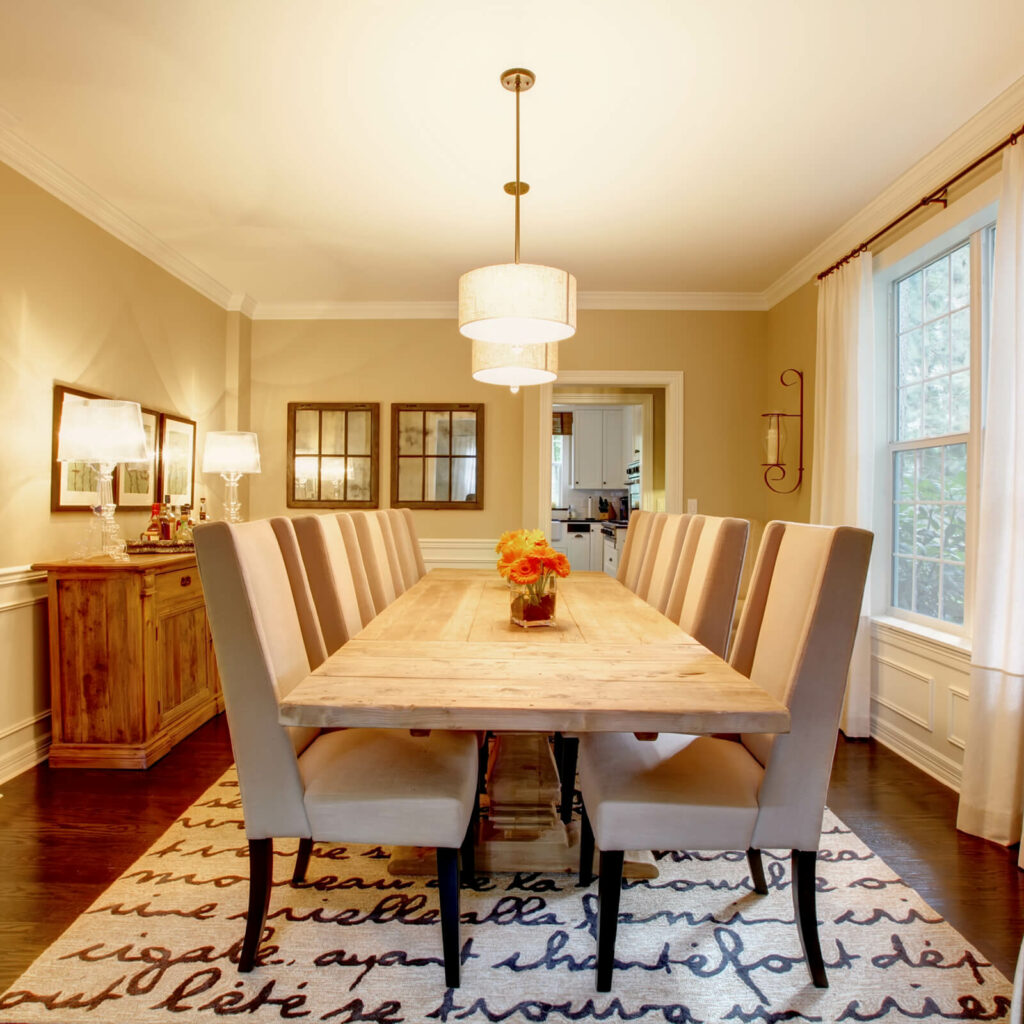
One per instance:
(577, 545)
(132, 670)
(596, 547)
(611, 556)
(599, 448)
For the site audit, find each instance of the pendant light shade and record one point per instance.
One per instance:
(513, 366)
(510, 308)
(524, 303)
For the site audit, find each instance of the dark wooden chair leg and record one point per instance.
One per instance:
(586, 850)
(608, 890)
(567, 774)
(448, 884)
(302, 860)
(804, 904)
(261, 877)
(467, 852)
(757, 872)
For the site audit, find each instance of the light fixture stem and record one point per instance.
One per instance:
(517, 169)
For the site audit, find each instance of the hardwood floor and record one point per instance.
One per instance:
(66, 834)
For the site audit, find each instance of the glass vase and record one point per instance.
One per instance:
(533, 604)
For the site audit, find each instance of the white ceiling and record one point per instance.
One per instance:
(335, 151)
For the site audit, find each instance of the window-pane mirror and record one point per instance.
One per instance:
(333, 452)
(437, 456)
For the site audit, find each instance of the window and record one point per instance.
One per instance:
(938, 313)
(332, 454)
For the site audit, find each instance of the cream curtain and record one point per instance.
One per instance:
(842, 474)
(992, 790)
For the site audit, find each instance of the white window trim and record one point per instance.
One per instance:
(942, 233)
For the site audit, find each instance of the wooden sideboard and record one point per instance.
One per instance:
(132, 669)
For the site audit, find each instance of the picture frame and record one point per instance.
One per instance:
(177, 462)
(72, 484)
(136, 481)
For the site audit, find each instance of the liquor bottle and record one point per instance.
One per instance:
(152, 531)
(166, 520)
(202, 510)
(184, 531)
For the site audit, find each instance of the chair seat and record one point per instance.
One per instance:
(672, 793)
(388, 787)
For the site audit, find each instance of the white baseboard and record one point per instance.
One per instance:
(28, 753)
(459, 553)
(931, 762)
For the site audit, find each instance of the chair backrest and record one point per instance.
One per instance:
(650, 553)
(665, 560)
(702, 596)
(261, 656)
(373, 546)
(808, 587)
(633, 550)
(337, 579)
(410, 558)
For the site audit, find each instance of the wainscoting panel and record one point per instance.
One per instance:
(25, 687)
(920, 688)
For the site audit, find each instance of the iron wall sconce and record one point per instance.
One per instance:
(775, 470)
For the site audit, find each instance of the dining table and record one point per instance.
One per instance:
(445, 655)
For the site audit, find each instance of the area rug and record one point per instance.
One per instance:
(356, 944)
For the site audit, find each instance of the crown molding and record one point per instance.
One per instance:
(242, 303)
(992, 123)
(40, 169)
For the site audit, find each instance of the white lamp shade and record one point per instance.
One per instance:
(517, 303)
(100, 430)
(514, 365)
(231, 451)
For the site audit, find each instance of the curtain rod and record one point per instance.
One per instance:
(937, 195)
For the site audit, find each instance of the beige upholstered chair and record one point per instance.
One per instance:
(758, 791)
(650, 555)
(380, 557)
(337, 578)
(637, 534)
(350, 785)
(655, 585)
(410, 558)
(702, 596)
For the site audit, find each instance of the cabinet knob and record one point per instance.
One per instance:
(186, 581)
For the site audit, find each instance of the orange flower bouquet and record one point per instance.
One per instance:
(531, 567)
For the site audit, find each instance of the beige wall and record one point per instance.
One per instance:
(79, 307)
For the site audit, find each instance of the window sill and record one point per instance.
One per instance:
(950, 647)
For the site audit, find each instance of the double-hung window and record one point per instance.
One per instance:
(939, 315)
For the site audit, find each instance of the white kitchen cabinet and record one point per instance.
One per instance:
(596, 547)
(611, 556)
(577, 546)
(599, 449)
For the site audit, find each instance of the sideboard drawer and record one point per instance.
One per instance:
(180, 588)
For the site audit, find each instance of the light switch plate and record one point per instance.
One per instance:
(691, 506)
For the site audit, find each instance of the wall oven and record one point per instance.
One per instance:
(633, 484)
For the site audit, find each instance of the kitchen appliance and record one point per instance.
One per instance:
(633, 484)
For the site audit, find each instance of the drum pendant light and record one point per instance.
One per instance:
(517, 304)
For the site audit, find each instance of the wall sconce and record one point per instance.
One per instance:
(775, 471)
(232, 453)
(102, 432)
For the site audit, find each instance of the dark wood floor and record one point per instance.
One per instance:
(65, 835)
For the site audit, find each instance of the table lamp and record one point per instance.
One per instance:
(102, 432)
(232, 453)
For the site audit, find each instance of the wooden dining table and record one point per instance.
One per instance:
(445, 655)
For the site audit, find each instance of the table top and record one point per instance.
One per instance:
(445, 656)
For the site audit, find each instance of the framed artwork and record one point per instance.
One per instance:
(333, 454)
(176, 475)
(136, 481)
(72, 484)
(437, 456)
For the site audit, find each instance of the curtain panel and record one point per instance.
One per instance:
(842, 476)
(992, 788)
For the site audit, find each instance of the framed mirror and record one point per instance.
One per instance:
(333, 454)
(437, 456)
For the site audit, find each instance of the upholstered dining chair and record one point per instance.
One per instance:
(351, 785)
(650, 555)
(380, 557)
(631, 559)
(410, 558)
(757, 791)
(336, 574)
(662, 561)
(702, 595)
